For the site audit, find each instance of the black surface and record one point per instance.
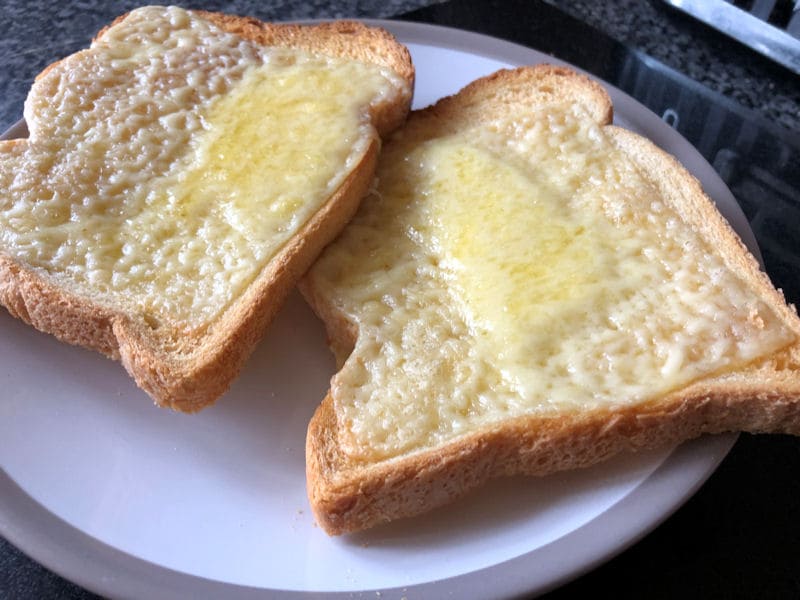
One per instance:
(24, 579)
(739, 536)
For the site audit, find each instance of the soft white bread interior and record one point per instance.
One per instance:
(180, 175)
(532, 289)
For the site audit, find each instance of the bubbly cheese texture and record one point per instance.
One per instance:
(523, 267)
(171, 161)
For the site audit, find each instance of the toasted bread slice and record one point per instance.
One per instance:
(532, 289)
(180, 176)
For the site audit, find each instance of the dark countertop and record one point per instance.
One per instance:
(34, 34)
(705, 55)
(739, 535)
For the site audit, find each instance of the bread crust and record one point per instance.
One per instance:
(347, 495)
(187, 373)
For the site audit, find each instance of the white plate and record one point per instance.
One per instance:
(130, 500)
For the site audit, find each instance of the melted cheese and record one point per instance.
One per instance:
(171, 161)
(525, 267)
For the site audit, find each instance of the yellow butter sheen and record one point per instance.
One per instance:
(523, 267)
(171, 194)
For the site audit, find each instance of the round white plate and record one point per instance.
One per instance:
(130, 500)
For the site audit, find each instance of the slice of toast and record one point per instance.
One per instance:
(181, 174)
(532, 289)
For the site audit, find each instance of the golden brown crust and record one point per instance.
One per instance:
(347, 496)
(345, 39)
(506, 90)
(233, 337)
(33, 298)
(187, 373)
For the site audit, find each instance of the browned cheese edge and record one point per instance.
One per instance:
(187, 373)
(347, 496)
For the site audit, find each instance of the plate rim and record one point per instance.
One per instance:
(86, 561)
(101, 568)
